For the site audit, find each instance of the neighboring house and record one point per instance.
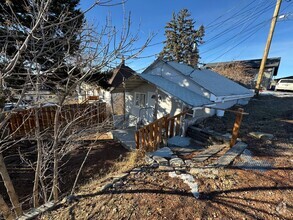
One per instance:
(170, 88)
(102, 84)
(87, 90)
(119, 75)
(44, 96)
(252, 68)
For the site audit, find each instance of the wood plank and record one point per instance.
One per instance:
(151, 137)
(230, 155)
(177, 128)
(137, 139)
(142, 135)
(206, 154)
(160, 128)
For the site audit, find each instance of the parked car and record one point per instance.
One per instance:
(284, 84)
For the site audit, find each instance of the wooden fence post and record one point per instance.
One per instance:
(236, 127)
(137, 139)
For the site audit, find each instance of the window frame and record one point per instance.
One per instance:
(135, 99)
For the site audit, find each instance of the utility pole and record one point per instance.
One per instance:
(267, 48)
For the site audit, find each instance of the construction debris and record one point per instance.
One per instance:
(230, 155)
(189, 180)
(261, 135)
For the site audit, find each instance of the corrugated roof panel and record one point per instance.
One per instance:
(218, 84)
(211, 81)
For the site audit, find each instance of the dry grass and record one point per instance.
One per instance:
(132, 160)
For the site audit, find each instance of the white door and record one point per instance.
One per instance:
(151, 104)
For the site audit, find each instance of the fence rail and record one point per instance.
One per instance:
(22, 123)
(152, 135)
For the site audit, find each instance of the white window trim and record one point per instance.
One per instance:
(145, 99)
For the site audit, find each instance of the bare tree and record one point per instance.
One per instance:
(98, 49)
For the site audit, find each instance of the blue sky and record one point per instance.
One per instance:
(235, 29)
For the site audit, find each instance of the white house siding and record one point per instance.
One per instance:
(166, 104)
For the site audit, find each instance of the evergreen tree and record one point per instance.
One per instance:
(182, 40)
(50, 42)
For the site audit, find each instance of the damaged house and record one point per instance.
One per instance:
(171, 87)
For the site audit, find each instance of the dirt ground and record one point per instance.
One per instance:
(232, 193)
(102, 157)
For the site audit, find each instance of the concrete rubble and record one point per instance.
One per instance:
(176, 162)
(189, 180)
(261, 135)
(161, 161)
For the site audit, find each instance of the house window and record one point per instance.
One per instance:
(140, 99)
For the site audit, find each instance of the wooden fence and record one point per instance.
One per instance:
(152, 135)
(23, 123)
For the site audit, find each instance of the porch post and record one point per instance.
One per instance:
(156, 104)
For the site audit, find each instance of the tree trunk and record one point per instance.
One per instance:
(7, 214)
(9, 187)
(39, 161)
(55, 188)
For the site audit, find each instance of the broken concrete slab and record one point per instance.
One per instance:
(176, 162)
(178, 141)
(34, 213)
(206, 154)
(230, 155)
(183, 145)
(189, 180)
(261, 135)
(161, 161)
(162, 152)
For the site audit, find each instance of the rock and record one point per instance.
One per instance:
(282, 208)
(135, 170)
(176, 162)
(71, 198)
(161, 161)
(166, 168)
(106, 186)
(148, 159)
(189, 163)
(261, 135)
(118, 184)
(163, 152)
(179, 170)
(154, 165)
(120, 176)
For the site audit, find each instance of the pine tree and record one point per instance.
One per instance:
(16, 20)
(182, 40)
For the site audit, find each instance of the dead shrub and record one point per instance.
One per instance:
(237, 72)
